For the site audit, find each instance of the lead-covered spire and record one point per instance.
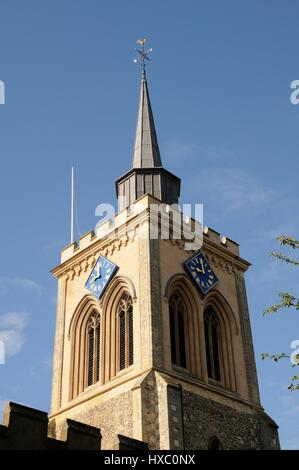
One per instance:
(146, 148)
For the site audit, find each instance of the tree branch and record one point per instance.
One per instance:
(285, 258)
(287, 301)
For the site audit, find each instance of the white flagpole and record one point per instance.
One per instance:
(72, 206)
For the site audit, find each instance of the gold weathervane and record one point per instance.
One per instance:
(143, 54)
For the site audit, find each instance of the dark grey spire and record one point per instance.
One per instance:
(146, 149)
(147, 175)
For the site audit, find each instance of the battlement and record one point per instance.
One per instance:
(26, 428)
(124, 217)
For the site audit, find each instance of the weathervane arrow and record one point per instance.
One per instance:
(143, 54)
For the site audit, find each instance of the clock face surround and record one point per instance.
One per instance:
(100, 276)
(201, 273)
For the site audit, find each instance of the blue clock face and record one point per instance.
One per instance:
(100, 276)
(202, 274)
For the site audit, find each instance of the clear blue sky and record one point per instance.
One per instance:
(220, 85)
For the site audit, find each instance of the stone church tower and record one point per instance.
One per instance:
(153, 341)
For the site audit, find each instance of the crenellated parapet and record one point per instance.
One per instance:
(128, 224)
(26, 428)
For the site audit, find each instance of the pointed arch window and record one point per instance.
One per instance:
(215, 444)
(125, 332)
(93, 348)
(213, 345)
(177, 315)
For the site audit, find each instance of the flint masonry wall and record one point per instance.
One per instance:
(113, 416)
(206, 418)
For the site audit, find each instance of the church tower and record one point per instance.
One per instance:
(153, 338)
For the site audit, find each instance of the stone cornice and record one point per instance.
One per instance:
(170, 376)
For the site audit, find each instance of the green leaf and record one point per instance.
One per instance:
(288, 241)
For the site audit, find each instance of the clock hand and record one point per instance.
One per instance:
(99, 275)
(202, 270)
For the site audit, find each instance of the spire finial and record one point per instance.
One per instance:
(143, 55)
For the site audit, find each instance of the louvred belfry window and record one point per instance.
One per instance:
(125, 332)
(93, 348)
(213, 344)
(177, 314)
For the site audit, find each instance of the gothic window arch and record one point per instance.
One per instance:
(177, 322)
(183, 343)
(215, 444)
(220, 338)
(213, 344)
(210, 331)
(125, 332)
(85, 333)
(119, 323)
(93, 348)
